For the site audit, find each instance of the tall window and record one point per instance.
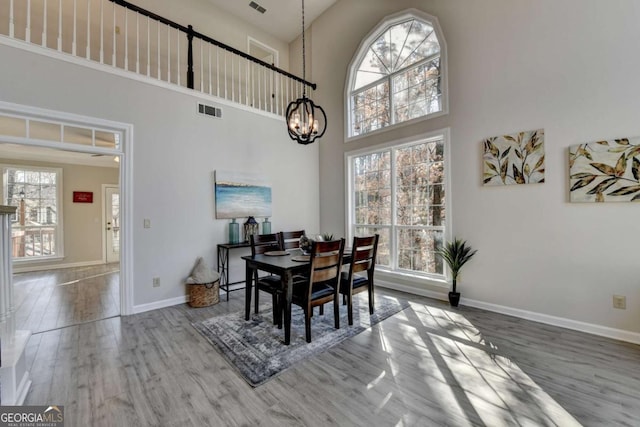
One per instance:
(400, 192)
(398, 74)
(36, 228)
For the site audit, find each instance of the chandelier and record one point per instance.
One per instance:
(306, 121)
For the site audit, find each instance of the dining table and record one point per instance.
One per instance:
(286, 266)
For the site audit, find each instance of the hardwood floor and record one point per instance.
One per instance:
(428, 365)
(52, 299)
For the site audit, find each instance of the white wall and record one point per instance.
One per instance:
(82, 222)
(175, 154)
(569, 67)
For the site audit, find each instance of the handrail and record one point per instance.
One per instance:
(191, 33)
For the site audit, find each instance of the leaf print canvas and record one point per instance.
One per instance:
(514, 159)
(605, 171)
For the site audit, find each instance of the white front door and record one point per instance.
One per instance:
(112, 222)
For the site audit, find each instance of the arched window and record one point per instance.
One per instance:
(398, 74)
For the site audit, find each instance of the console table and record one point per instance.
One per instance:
(223, 265)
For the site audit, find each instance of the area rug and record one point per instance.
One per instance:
(255, 348)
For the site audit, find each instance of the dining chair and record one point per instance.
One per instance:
(272, 284)
(363, 258)
(323, 283)
(291, 239)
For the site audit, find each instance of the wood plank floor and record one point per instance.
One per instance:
(429, 365)
(52, 299)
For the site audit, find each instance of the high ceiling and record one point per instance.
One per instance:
(282, 19)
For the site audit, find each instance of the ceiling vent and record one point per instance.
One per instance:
(257, 7)
(210, 110)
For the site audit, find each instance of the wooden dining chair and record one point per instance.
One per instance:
(323, 283)
(272, 284)
(363, 258)
(291, 239)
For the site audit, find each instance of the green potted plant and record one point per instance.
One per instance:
(456, 254)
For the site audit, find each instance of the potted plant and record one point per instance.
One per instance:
(456, 254)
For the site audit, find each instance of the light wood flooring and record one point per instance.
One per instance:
(429, 365)
(53, 299)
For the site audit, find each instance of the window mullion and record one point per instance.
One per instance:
(392, 107)
(393, 244)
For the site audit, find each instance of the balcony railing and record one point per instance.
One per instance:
(121, 35)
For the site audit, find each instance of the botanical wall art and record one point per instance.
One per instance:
(605, 171)
(514, 159)
(240, 194)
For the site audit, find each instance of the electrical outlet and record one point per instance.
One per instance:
(147, 223)
(620, 301)
(156, 282)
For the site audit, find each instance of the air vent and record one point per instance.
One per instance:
(210, 110)
(257, 7)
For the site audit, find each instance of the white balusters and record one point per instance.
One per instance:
(179, 67)
(137, 43)
(27, 37)
(44, 24)
(101, 31)
(11, 21)
(158, 49)
(217, 71)
(233, 92)
(75, 25)
(126, 39)
(148, 47)
(88, 51)
(115, 28)
(201, 67)
(226, 96)
(59, 25)
(209, 50)
(168, 53)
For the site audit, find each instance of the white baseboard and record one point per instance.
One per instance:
(29, 268)
(590, 328)
(160, 304)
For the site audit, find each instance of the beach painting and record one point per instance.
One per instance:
(242, 194)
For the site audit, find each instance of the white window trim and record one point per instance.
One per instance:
(445, 135)
(255, 42)
(60, 214)
(384, 24)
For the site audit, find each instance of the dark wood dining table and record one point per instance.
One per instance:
(285, 267)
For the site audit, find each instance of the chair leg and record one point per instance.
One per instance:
(274, 301)
(321, 310)
(371, 301)
(307, 325)
(336, 312)
(280, 310)
(344, 299)
(350, 308)
(257, 296)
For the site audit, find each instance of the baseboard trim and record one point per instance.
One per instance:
(590, 328)
(411, 290)
(30, 268)
(160, 304)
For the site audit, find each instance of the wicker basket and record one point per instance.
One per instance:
(204, 294)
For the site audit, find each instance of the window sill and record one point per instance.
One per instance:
(414, 279)
(37, 260)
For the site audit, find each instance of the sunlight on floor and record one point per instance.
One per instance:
(465, 375)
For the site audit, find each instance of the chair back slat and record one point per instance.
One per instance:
(261, 243)
(363, 254)
(290, 239)
(326, 261)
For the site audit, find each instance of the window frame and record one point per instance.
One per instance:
(394, 270)
(59, 234)
(362, 50)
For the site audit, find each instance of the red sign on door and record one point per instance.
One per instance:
(83, 197)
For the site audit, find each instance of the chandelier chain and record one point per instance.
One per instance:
(304, 86)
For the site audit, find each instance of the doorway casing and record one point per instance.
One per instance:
(125, 153)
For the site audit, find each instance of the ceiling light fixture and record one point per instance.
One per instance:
(306, 121)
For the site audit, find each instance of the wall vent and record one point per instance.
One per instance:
(210, 110)
(257, 7)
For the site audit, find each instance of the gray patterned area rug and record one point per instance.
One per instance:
(256, 347)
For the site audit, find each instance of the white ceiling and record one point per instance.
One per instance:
(283, 18)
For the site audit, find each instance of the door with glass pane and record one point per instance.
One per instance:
(112, 223)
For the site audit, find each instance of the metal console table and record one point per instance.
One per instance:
(223, 265)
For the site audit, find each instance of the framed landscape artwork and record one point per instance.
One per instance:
(514, 159)
(605, 171)
(241, 194)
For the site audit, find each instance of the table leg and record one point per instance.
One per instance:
(288, 291)
(247, 297)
